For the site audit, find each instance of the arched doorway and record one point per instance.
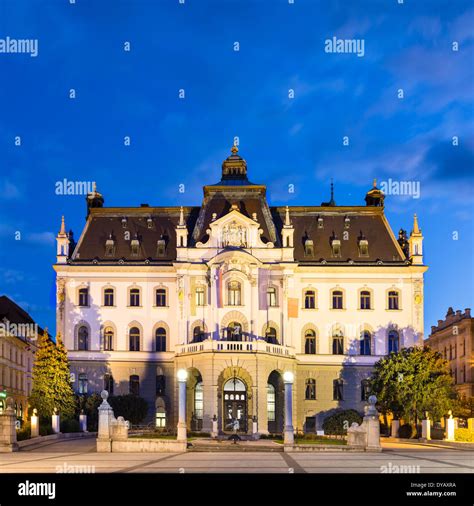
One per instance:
(235, 405)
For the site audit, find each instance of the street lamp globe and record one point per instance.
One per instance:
(288, 377)
(182, 375)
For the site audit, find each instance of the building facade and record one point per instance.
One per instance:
(453, 338)
(237, 292)
(18, 338)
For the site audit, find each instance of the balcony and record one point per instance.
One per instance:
(235, 347)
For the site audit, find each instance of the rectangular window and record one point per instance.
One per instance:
(83, 384)
(108, 297)
(199, 296)
(134, 297)
(84, 297)
(271, 403)
(337, 299)
(161, 297)
(338, 390)
(365, 300)
(160, 420)
(393, 302)
(271, 297)
(310, 299)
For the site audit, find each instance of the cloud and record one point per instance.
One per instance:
(11, 276)
(8, 191)
(41, 238)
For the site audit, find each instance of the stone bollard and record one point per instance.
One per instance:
(55, 422)
(395, 427)
(34, 424)
(214, 432)
(106, 416)
(450, 427)
(426, 428)
(8, 429)
(83, 422)
(255, 433)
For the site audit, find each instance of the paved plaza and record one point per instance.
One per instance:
(80, 456)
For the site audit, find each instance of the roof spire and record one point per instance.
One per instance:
(62, 231)
(375, 182)
(416, 228)
(181, 218)
(234, 149)
(287, 217)
(332, 202)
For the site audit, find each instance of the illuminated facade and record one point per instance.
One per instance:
(237, 292)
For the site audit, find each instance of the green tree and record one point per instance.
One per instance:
(413, 381)
(132, 407)
(51, 379)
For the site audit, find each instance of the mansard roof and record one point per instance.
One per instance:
(320, 224)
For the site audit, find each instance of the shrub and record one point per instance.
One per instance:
(338, 423)
(45, 428)
(24, 432)
(70, 425)
(437, 433)
(405, 431)
(465, 435)
(132, 407)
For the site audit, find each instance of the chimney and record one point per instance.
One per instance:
(467, 312)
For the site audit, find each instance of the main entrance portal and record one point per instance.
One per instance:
(235, 406)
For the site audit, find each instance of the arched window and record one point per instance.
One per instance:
(160, 339)
(108, 339)
(310, 390)
(271, 335)
(134, 388)
(160, 385)
(310, 299)
(198, 401)
(393, 341)
(310, 342)
(364, 390)
(83, 338)
(271, 402)
(393, 300)
(365, 299)
(134, 297)
(337, 342)
(234, 293)
(199, 293)
(234, 332)
(364, 343)
(109, 383)
(83, 383)
(134, 339)
(160, 418)
(337, 299)
(160, 297)
(109, 297)
(198, 334)
(83, 297)
(338, 390)
(271, 296)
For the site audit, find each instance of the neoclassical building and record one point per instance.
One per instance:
(237, 292)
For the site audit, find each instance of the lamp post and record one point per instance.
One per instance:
(289, 437)
(182, 377)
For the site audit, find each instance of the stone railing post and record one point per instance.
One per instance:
(426, 428)
(8, 429)
(371, 421)
(106, 416)
(255, 428)
(34, 423)
(55, 422)
(450, 427)
(215, 431)
(83, 422)
(395, 428)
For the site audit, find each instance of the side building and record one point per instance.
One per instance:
(453, 337)
(237, 292)
(18, 338)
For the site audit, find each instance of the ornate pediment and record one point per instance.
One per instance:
(234, 230)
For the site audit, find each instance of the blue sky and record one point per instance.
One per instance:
(236, 93)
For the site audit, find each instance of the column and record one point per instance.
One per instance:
(182, 377)
(289, 437)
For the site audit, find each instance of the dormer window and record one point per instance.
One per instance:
(347, 222)
(149, 223)
(320, 222)
(110, 247)
(363, 247)
(124, 222)
(135, 247)
(308, 248)
(160, 248)
(336, 248)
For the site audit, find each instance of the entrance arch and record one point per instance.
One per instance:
(235, 405)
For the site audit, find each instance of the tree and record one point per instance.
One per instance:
(132, 407)
(413, 381)
(51, 379)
